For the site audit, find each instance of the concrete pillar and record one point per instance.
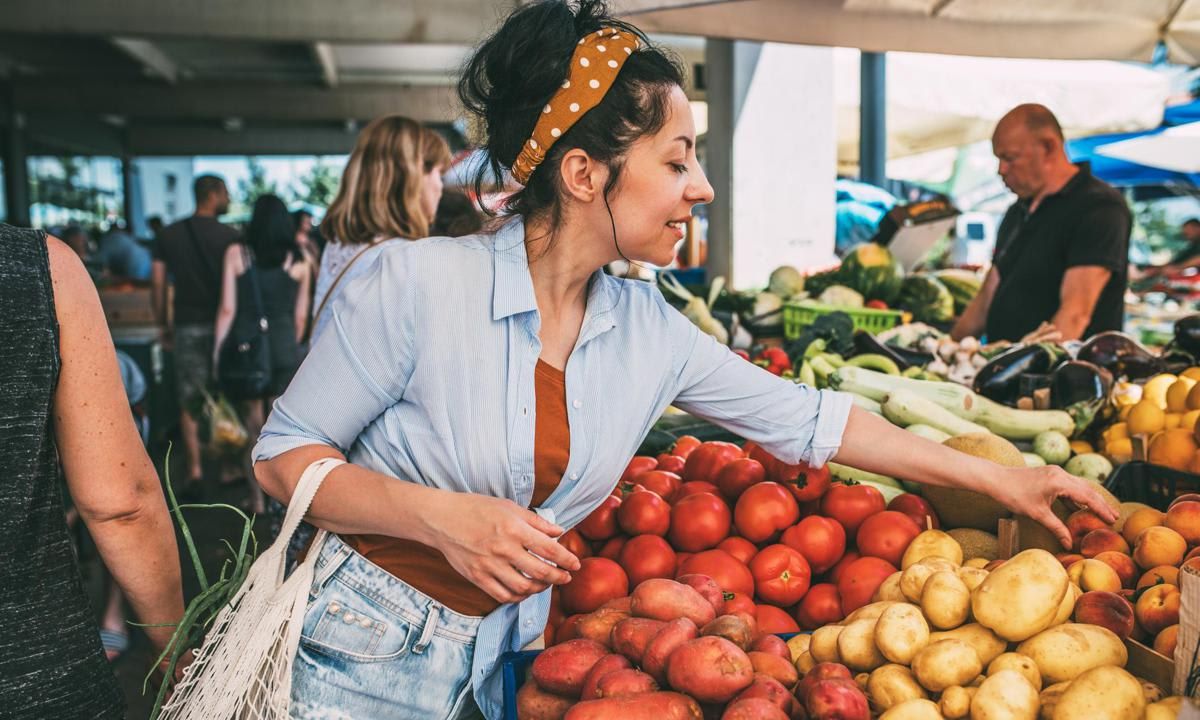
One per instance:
(16, 174)
(131, 192)
(872, 134)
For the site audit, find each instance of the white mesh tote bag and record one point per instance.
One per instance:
(244, 668)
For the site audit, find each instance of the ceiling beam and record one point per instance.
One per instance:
(323, 54)
(160, 140)
(251, 102)
(149, 56)
(436, 21)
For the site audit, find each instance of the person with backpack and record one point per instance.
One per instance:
(262, 316)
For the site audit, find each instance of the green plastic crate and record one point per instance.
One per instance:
(797, 316)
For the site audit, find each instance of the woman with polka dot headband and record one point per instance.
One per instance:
(488, 391)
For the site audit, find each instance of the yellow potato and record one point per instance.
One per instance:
(1006, 695)
(1049, 699)
(978, 562)
(987, 644)
(889, 591)
(805, 663)
(956, 702)
(861, 679)
(1022, 597)
(1166, 709)
(913, 710)
(1019, 663)
(893, 684)
(945, 600)
(867, 612)
(932, 543)
(856, 646)
(1066, 651)
(945, 663)
(901, 632)
(912, 579)
(1067, 608)
(1102, 693)
(972, 577)
(798, 645)
(824, 643)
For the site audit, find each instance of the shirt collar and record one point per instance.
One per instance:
(1078, 179)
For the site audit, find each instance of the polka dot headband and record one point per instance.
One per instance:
(594, 67)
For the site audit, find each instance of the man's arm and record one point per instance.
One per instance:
(974, 319)
(1081, 288)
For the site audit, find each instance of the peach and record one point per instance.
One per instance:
(1093, 574)
(1102, 540)
(1165, 641)
(1123, 564)
(1068, 559)
(1168, 574)
(1192, 553)
(1184, 518)
(1139, 520)
(1186, 497)
(1106, 609)
(1159, 546)
(1082, 522)
(1158, 608)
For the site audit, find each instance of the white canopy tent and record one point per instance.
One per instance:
(1176, 149)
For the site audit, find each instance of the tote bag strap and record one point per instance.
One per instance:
(338, 279)
(306, 490)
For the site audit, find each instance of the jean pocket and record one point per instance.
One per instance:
(349, 627)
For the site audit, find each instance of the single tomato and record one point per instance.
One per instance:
(719, 565)
(806, 483)
(597, 581)
(773, 620)
(821, 540)
(738, 602)
(644, 513)
(680, 558)
(695, 488)
(671, 463)
(917, 508)
(601, 524)
(835, 572)
(821, 606)
(638, 465)
(851, 504)
(876, 305)
(764, 510)
(699, 522)
(706, 461)
(684, 446)
(739, 547)
(739, 475)
(886, 535)
(861, 579)
(666, 484)
(611, 548)
(574, 542)
(645, 557)
(781, 575)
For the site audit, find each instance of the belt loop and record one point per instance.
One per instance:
(431, 621)
(324, 573)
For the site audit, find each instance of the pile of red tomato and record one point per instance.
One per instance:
(785, 543)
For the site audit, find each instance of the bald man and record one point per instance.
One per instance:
(1062, 249)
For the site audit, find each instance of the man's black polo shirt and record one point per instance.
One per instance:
(1085, 223)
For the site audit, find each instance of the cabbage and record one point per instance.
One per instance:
(786, 281)
(841, 296)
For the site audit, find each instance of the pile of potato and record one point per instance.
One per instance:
(948, 639)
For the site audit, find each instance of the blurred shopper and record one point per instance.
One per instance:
(189, 254)
(155, 224)
(389, 192)
(1062, 251)
(121, 256)
(1188, 256)
(456, 216)
(282, 277)
(306, 242)
(70, 408)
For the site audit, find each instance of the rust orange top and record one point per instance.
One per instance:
(425, 568)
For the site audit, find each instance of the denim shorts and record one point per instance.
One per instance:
(373, 647)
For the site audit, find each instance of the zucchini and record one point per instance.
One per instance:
(906, 408)
(866, 404)
(824, 370)
(1033, 459)
(927, 432)
(889, 487)
(807, 376)
(1017, 424)
(875, 361)
(876, 385)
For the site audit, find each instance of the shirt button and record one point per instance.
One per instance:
(574, 476)
(577, 404)
(524, 411)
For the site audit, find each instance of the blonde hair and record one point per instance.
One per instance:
(380, 192)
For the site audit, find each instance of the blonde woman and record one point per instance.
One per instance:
(390, 191)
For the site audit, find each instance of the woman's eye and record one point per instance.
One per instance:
(679, 168)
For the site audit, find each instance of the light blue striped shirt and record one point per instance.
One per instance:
(426, 373)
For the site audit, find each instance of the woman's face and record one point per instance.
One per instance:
(660, 184)
(431, 192)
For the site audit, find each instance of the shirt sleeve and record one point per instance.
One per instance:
(793, 422)
(1101, 238)
(358, 368)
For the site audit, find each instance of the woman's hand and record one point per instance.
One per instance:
(1031, 491)
(499, 546)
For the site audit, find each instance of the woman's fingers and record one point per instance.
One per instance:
(549, 550)
(540, 570)
(1084, 494)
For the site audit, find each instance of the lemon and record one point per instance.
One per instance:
(1146, 418)
(1192, 373)
(1119, 451)
(1178, 394)
(1156, 389)
(1082, 447)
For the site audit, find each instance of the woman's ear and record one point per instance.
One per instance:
(583, 178)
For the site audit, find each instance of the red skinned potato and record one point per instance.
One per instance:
(608, 664)
(822, 671)
(621, 604)
(753, 709)
(534, 703)
(780, 669)
(648, 706)
(563, 668)
(766, 687)
(772, 644)
(625, 682)
(567, 630)
(837, 700)
(734, 628)
(630, 637)
(662, 599)
(707, 587)
(710, 669)
(598, 625)
(668, 640)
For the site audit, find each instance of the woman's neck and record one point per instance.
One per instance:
(561, 262)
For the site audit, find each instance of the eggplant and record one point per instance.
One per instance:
(1121, 355)
(1187, 334)
(867, 344)
(1000, 379)
(1082, 389)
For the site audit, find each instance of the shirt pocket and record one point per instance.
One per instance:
(346, 626)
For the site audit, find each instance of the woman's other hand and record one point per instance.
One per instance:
(1032, 491)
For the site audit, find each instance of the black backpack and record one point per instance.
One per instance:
(244, 362)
